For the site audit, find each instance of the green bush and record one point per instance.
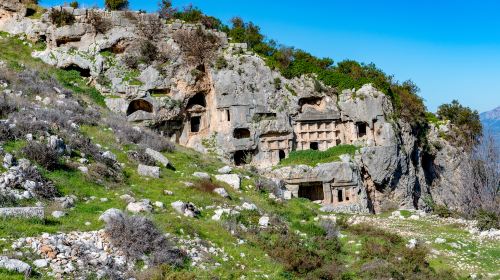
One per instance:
(220, 63)
(114, 5)
(74, 4)
(61, 17)
(313, 157)
(442, 211)
(468, 127)
(487, 220)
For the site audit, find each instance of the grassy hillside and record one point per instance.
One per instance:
(300, 243)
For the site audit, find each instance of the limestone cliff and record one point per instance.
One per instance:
(232, 104)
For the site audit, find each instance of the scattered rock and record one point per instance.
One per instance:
(40, 263)
(14, 265)
(249, 206)
(225, 170)
(127, 198)
(231, 179)
(412, 243)
(186, 209)
(202, 175)
(222, 192)
(158, 204)
(148, 171)
(140, 206)
(110, 214)
(66, 201)
(109, 155)
(83, 169)
(439, 240)
(264, 221)
(167, 192)
(58, 214)
(157, 156)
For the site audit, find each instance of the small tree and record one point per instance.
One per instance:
(198, 46)
(468, 128)
(114, 5)
(166, 10)
(74, 4)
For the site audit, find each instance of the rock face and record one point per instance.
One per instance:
(248, 114)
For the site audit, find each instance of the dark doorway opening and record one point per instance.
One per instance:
(281, 154)
(338, 142)
(312, 191)
(340, 196)
(314, 146)
(240, 133)
(242, 157)
(197, 99)
(30, 12)
(361, 129)
(139, 105)
(195, 124)
(228, 115)
(83, 72)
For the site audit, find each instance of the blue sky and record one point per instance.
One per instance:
(450, 48)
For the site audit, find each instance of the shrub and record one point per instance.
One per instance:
(221, 63)
(487, 220)
(148, 52)
(7, 201)
(156, 142)
(74, 4)
(7, 105)
(143, 137)
(61, 17)
(468, 127)
(165, 272)
(295, 257)
(6, 133)
(206, 186)
(44, 189)
(141, 157)
(101, 171)
(149, 26)
(442, 211)
(42, 154)
(98, 22)
(137, 236)
(330, 227)
(166, 11)
(199, 46)
(114, 5)
(131, 61)
(277, 83)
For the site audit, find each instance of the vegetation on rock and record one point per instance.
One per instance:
(313, 157)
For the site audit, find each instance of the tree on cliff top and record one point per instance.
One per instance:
(468, 127)
(114, 5)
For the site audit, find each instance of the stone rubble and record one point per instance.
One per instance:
(75, 254)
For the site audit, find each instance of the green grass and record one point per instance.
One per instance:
(313, 157)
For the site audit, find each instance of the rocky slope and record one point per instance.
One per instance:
(225, 100)
(80, 178)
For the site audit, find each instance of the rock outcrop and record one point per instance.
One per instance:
(235, 106)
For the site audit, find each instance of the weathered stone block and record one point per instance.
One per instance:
(23, 212)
